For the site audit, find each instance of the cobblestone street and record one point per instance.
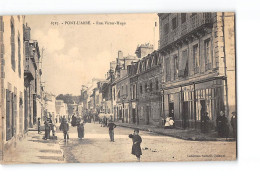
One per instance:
(96, 147)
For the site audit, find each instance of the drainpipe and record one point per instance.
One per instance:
(195, 110)
(225, 69)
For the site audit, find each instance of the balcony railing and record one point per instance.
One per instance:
(193, 23)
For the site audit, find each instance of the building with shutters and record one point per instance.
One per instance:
(12, 125)
(146, 94)
(198, 51)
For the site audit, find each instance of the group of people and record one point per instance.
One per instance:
(49, 127)
(223, 126)
(64, 127)
(103, 121)
(168, 123)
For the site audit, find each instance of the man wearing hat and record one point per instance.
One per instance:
(233, 122)
(111, 127)
(64, 126)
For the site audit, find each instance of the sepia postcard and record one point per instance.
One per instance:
(110, 88)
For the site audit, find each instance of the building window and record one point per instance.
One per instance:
(183, 18)
(114, 94)
(12, 46)
(186, 70)
(151, 86)
(126, 91)
(141, 89)
(174, 23)
(176, 66)
(145, 87)
(157, 84)
(168, 69)
(208, 62)
(196, 60)
(134, 91)
(166, 28)
(193, 14)
(19, 56)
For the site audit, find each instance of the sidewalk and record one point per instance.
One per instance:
(188, 134)
(33, 149)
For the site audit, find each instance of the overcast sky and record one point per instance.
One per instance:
(74, 54)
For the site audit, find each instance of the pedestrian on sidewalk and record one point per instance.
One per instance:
(222, 125)
(64, 126)
(39, 126)
(111, 127)
(205, 123)
(136, 148)
(47, 130)
(234, 124)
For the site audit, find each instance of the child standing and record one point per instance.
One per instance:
(136, 148)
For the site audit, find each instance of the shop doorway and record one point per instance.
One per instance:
(203, 108)
(148, 114)
(171, 110)
(133, 114)
(185, 113)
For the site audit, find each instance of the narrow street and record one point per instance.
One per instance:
(96, 147)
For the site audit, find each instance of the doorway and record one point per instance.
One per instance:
(148, 114)
(171, 110)
(185, 114)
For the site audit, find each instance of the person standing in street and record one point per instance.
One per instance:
(136, 148)
(233, 122)
(39, 126)
(65, 128)
(111, 127)
(80, 129)
(205, 123)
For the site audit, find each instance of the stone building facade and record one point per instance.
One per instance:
(12, 79)
(198, 54)
(148, 89)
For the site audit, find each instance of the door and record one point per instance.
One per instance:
(203, 108)
(133, 114)
(185, 113)
(148, 114)
(171, 110)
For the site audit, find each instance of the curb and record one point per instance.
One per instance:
(180, 137)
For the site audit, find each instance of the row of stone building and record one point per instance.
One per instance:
(23, 99)
(192, 72)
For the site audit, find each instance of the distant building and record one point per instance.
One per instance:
(50, 106)
(61, 109)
